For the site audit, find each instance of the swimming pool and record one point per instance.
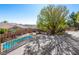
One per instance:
(8, 45)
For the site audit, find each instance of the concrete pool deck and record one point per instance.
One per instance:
(18, 51)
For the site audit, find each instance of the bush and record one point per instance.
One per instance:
(52, 19)
(3, 31)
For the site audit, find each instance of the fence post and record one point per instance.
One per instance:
(2, 47)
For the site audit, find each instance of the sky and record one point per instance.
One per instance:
(26, 13)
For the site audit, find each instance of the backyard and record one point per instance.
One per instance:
(56, 33)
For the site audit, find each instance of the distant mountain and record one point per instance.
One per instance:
(11, 25)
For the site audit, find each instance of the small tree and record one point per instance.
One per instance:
(5, 21)
(52, 19)
(75, 18)
(3, 31)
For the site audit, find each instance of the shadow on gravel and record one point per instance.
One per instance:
(53, 45)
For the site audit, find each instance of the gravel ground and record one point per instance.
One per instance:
(67, 44)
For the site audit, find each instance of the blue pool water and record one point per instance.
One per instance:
(10, 44)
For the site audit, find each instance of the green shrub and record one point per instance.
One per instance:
(52, 19)
(3, 31)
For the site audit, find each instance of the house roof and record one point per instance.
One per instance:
(7, 25)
